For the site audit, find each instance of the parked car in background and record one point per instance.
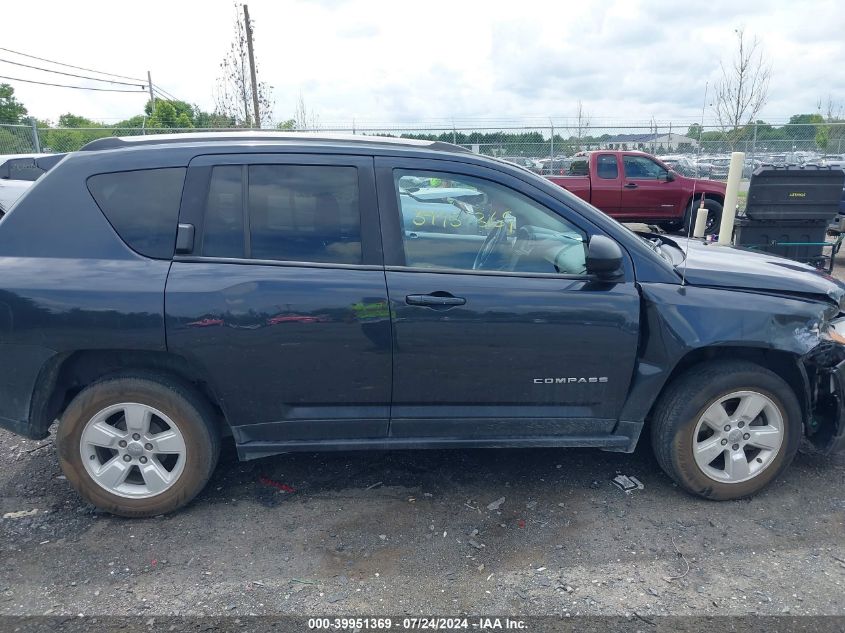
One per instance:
(554, 167)
(637, 187)
(681, 164)
(268, 287)
(10, 191)
(522, 161)
(19, 171)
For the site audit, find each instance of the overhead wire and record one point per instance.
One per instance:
(50, 61)
(59, 72)
(45, 83)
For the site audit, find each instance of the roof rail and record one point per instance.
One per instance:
(124, 142)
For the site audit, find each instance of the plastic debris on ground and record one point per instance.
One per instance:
(20, 514)
(496, 504)
(628, 483)
(275, 484)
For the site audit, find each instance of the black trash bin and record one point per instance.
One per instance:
(788, 210)
(801, 240)
(790, 192)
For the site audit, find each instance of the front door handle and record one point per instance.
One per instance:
(631, 185)
(435, 300)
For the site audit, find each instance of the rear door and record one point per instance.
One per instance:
(606, 183)
(280, 297)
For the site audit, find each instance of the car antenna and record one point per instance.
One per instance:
(694, 183)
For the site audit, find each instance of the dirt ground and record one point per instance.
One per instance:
(419, 532)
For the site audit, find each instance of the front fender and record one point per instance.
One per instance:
(677, 321)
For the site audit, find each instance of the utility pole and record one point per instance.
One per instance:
(248, 25)
(150, 86)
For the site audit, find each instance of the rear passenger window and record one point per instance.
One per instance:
(607, 166)
(223, 229)
(304, 213)
(142, 206)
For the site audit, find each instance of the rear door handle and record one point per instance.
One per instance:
(435, 300)
(631, 185)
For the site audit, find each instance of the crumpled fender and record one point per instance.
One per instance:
(678, 320)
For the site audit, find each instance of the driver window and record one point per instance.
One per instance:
(643, 168)
(460, 222)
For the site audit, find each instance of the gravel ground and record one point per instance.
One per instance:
(419, 532)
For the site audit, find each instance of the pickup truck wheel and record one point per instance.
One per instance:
(138, 446)
(724, 430)
(714, 216)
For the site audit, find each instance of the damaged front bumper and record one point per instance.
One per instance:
(824, 369)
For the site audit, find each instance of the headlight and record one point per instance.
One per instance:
(836, 330)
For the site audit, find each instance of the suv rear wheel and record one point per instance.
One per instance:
(724, 430)
(138, 446)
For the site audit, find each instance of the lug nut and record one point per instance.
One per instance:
(741, 424)
(143, 460)
(735, 447)
(148, 446)
(727, 427)
(127, 458)
(747, 436)
(122, 443)
(759, 460)
(136, 437)
(724, 442)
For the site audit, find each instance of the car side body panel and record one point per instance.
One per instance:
(70, 285)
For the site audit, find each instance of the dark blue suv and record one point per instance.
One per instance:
(303, 293)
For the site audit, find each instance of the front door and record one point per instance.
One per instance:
(281, 299)
(647, 192)
(498, 331)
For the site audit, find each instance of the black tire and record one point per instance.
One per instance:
(714, 216)
(685, 400)
(188, 410)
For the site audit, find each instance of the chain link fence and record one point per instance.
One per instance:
(541, 145)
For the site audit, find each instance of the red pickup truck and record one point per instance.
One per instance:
(637, 187)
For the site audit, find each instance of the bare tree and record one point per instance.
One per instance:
(233, 91)
(743, 88)
(305, 119)
(830, 131)
(582, 124)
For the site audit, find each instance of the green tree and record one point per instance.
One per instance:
(170, 114)
(73, 120)
(694, 131)
(802, 127)
(11, 110)
(822, 137)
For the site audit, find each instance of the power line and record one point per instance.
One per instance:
(164, 92)
(161, 94)
(50, 61)
(44, 83)
(59, 72)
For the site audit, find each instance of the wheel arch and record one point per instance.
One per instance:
(786, 365)
(65, 375)
(708, 195)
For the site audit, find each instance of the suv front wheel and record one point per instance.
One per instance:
(725, 430)
(138, 446)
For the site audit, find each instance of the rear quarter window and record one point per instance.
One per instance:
(142, 206)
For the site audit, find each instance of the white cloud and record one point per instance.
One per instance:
(381, 60)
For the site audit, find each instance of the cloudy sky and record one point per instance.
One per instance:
(408, 62)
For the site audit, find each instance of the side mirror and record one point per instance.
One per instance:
(604, 257)
(670, 176)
